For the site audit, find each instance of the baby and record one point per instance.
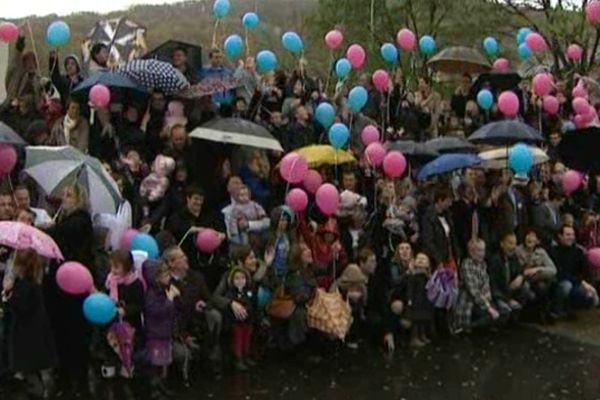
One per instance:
(246, 220)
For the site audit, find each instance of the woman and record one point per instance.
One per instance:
(428, 102)
(30, 344)
(72, 130)
(74, 235)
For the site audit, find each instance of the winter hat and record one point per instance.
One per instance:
(352, 275)
(350, 201)
(163, 165)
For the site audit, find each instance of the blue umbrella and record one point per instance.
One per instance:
(505, 133)
(448, 163)
(112, 80)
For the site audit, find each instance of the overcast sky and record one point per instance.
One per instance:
(24, 8)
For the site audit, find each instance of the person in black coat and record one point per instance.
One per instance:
(31, 348)
(437, 234)
(65, 83)
(74, 235)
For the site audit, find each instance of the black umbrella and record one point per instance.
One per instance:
(497, 82)
(237, 131)
(579, 149)
(414, 151)
(9, 136)
(450, 144)
(505, 133)
(164, 52)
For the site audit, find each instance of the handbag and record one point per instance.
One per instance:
(282, 306)
(330, 313)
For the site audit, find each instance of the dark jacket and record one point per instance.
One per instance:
(131, 298)
(30, 338)
(383, 285)
(159, 314)
(502, 271)
(297, 136)
(434, 240)
(193, 289)
(63, 83)
(74, 235)
(570, 262)
(509, 217)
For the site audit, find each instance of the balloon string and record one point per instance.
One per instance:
(247, 43)
(12, 189)
(37, 61)
(329, 72)
(214, 39)
(185, 236)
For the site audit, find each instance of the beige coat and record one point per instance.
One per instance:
(78, 136)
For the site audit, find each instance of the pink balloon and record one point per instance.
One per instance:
(593, 256)
(551, 105)
(297, 200)
(328, 199)
(406, 40)
(356, 55)
(589, 115)
(312, 181)
(502, 65)
(100, 96)
(9, 32)
(370, 135)
(375, 153)
(579, 121)
(508, 103)
(334, 39)
(536, 42)
(381, 80)
(8, 159)
(73, 278)
(579, 91)
(580, 105)
(574, 52)
(127, 238)
(208, 241)
(293, 168)
(542, 84)
(592, 12)
(394, 164)
(571, 181)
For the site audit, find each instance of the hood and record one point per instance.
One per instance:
(352, 275)
(74, 58)
(233, 271)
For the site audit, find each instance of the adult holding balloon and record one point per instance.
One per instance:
(429, 106)
(74, 234)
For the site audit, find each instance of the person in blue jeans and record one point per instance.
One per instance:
(572, 290)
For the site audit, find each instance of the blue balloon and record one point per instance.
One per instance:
(234, 47)
(343, 68)
(266, 61)
(221, 8)
(427, 45)
(568, 126)
(339, 135)
(59, 34)
(99, 309)
(525, 52)
(357, 99)
(145, 242)
(522, 35)
(292, 42)
(485, 99)
(251, 21)
(520, 159)
(491, 46)
(325, 114)
(389, 52)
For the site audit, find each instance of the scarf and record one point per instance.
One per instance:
(69, 125)
(113, 281)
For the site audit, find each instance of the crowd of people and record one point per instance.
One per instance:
(416, 261)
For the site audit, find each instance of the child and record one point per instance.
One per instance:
(419, 309)
(240, 290)
(246, 220)
(159, 324)
(352, 284)
(126, 289)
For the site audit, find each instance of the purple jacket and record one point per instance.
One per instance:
(159, 314)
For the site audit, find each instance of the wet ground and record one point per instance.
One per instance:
(518, 364)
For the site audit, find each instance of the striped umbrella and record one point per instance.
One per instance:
(55, 168)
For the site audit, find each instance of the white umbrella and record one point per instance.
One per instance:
(498, 158)
(55, 168)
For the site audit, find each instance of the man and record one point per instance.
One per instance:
(184, 224)
(506, 276)
(552, 151)
(546, 217)
(437, 237)
(193, 308)
(508, 207)
(300, 132)
(72, 130)
(7, 206)
(22, 76)
(460, 96)
(216, 71)
(180, 62)
(42, 219)
(572, 289)
(65, 83)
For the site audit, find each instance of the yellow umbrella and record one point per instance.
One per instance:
(320, 155)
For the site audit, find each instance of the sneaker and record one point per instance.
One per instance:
(250, 362)
(416, 343)
(352, 345)
(240, 366)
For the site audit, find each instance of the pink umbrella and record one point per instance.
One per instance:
(20, 236)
